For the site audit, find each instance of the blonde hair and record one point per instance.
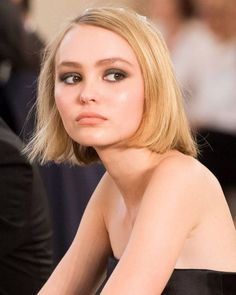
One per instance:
(164, 125)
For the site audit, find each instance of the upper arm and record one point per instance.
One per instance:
(81, 269)
(169, 211)
(15, 193)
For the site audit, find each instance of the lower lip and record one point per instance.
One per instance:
(90, 121)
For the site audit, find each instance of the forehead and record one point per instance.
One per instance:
(88, 43)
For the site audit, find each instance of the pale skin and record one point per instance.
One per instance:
(154, 212)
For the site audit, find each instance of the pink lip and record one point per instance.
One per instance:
(89, 118)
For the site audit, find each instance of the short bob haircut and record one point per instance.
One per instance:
(164, 125)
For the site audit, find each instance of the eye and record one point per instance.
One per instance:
(70, 78)
(115, 75)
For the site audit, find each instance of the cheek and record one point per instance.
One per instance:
(60, 107)
(63, 108)
(65, 115)
(61, 100)
(130, 109)
(138, 108)
(58, 94)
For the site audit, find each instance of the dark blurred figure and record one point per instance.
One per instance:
(18, 71)
(25, 8)
(25, 227)
(34, 41)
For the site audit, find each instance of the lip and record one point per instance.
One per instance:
(90, 118)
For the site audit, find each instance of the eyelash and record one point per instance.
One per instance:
(64, 77)
(120, 75)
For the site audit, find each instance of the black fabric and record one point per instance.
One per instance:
(25, 227)
(191, 281)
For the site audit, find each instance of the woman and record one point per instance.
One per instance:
(107, 92)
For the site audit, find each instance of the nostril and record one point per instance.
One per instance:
(86, 99)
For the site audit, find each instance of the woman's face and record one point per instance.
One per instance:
(99, 89)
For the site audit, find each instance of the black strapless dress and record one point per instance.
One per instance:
(191, 281)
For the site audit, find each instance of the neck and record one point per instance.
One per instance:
(130, 168)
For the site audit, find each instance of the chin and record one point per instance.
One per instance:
(90, 141)
(98, 140)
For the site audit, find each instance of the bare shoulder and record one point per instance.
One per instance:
(178, 162)
(181, 183)
(175, 186)
(179, 170)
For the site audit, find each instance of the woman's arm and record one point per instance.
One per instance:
(82, 268)
(168, 213)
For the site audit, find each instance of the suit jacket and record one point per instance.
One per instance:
(25, 228)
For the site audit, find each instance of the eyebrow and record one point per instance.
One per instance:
(110, 60)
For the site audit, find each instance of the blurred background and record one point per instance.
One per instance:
(201, 37)
(49, 15)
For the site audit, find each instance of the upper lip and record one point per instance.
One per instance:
(89, 115)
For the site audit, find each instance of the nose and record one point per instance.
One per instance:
(84, 99)
(88, 93)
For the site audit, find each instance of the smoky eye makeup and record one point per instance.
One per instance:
(69, 78)
(114, 75)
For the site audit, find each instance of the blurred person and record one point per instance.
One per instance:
(25, 225)
(172, 17)
(219, 16)
(25, 8)
(18, 71)
(34, 40)
(107, 93)
(182, 29)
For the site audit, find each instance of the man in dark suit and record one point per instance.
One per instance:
(25, 228)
